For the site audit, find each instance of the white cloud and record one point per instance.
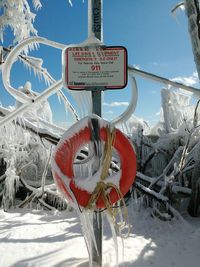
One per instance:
(116, 104)
(159, 64)
(136, 66)
(109, 112)
(189, 81)
(157, 113)
(155, 63)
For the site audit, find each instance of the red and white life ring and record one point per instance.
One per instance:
(64, 155)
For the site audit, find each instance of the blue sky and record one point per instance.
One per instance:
(156, 41)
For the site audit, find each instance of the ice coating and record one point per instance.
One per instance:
(30, 101)
(11, 59)
(90, 183)
(56, 171)
(85, 183)
(77, 127)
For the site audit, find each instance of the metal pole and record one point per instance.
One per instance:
(160, 79)
(95, 15)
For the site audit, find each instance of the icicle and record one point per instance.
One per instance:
(37, 4)
(11, 185)
(88, 233)
(114, 236)
(135, 197)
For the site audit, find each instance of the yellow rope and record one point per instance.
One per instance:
(102, 187)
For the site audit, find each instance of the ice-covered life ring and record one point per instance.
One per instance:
(75, 138)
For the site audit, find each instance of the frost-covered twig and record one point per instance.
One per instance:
(36, 65)
(186, 147)
(33, 63)
(36, 194)
(179, 5)
(141, 149)
(151, 155)
(18, 16)
(43, 203)
(176, 158)
(2, 178)
(159, 198)
(68, 105)
(195, 120)
(45, 170)
(163, 80)
(151, 192)
(176, 189)
(42, 133)
(28, 199)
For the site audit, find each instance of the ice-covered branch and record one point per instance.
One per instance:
(18, 16)
(163, 80)
(42, 133)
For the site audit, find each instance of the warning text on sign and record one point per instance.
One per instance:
(95, 67)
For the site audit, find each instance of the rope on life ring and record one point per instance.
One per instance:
(73, 140)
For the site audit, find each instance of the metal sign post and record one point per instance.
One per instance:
(95, 22)
(95, 15)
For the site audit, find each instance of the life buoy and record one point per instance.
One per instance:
(65, 153)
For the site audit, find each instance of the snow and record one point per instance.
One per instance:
(41, 238)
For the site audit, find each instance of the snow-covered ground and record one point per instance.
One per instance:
(40, 238)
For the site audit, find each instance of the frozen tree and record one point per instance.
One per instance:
(24, 154)
(18, 16)
(168, 156)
